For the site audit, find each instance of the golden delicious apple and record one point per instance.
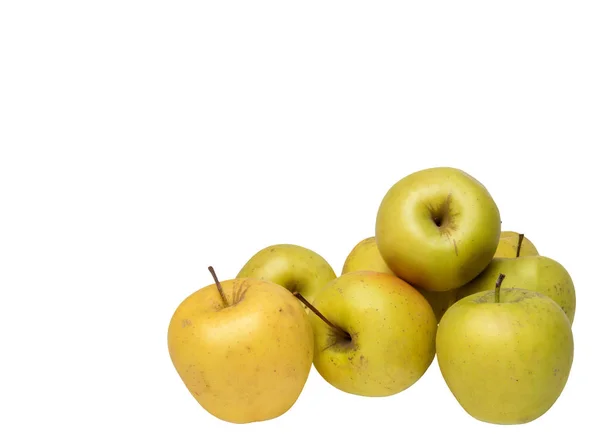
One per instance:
(294, 267)
(513, 244)
(243, 348)
(437, 228)
(506, 356)
(535, 273)
(440, 301)
(383, 339)
(365, 256)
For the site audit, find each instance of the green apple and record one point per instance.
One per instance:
(437, 228)
(294, 267)
(505, 355)
(535, 273)
(383, 335)
(365, 256)
(440, 301)
(513, 244)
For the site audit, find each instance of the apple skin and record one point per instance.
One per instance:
(247, 362)
(365, 256)
(440, 301)
(293, 267)
(437, 228)
(507, 246)
(508, 362)
(392, 329)
(535, 273)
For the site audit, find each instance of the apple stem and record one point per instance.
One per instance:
(521, 236)
(219, 287)
(498, 284)
(342, 332)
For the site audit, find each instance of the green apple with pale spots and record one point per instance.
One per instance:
(437, 228)
(294, 267)
(505, 354)
(440, 301)
(535, 273)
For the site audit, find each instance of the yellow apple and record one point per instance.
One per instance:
(506, 355)
(294, 267)
(508, 246)
(244, 355)
(365, 256)
(387, 332)
(437, 228)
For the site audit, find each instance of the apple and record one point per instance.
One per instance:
(505, 354)
(513, 244)
(294, 267)
(437, 228)
(535, 273)
(243, 348)
(378, 336)
(440, 301)
(365, 256)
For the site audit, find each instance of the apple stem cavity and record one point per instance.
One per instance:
(521, 236)
(498, 284)
(219, 287)
(339, 330)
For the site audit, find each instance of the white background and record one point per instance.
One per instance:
(143, 141)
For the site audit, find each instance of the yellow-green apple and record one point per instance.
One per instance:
(243, 348)
(294, 267)
(505, 355)
(440, 301)
(437, 228)
(513, 244)
(535, 273)
(365, 256)
(382, 334)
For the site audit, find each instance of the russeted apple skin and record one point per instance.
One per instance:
(437, 228)
(535, 273)
(392, 329)
(246, 362)
(507, 362)
(291, 266)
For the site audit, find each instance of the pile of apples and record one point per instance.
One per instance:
(439, 276)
